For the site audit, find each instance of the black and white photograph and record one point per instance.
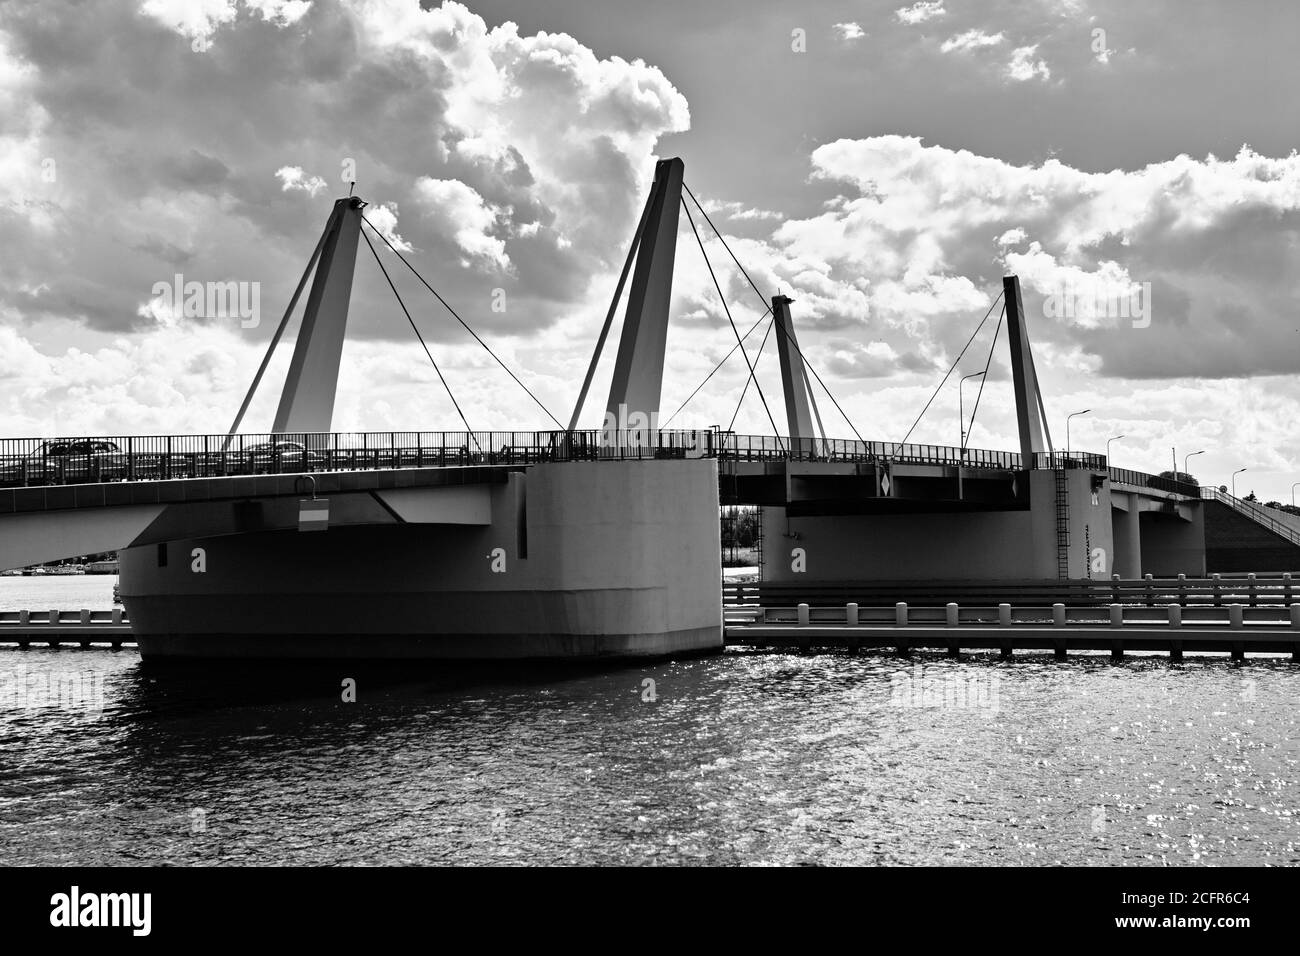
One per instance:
(849, 434)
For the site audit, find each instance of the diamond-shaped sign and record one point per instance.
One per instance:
(884, 484)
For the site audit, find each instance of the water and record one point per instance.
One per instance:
(63, 592)
(744, 758)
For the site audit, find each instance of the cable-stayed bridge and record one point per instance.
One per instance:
(565, 542)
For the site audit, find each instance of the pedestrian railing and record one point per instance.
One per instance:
(29, 462)
(1252, 511)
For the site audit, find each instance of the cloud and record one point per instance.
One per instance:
(920, 12)
(850, 31)
(1218, 241)
(737, 211)
(519, 161)
(292, 177)
(461, 211)
(1023, 66)
(970, 40)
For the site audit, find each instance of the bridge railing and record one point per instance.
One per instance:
(1252, 511)
(1277, 588)
(767, 447)
(45, 461)
(91, 459)
(1142, 480)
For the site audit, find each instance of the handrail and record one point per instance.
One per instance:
(1252, 511)
(32, 462)
(1141, 479)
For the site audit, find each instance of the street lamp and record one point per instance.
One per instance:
(1067, 427)
(1234, 480)
(961, 408)
(1108, 441)
(1293, 494)
(1187, 458)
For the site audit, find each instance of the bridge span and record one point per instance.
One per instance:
(565, 542)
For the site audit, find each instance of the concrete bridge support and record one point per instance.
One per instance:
(1127, 532)
(1173, 541)
(942, 543)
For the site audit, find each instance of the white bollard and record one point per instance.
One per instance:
(54, 616)
(1058, 615)
(117, 615)
(1175, 615)
(900, 614)
(1235, 616)
(803, 613)
(851, 614)
(85, 615)
(25, 617)
(1295, 617)
(1117, 615)
(1004, 615)
(953, 615)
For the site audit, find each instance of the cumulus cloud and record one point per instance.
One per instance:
(1023, 66)
(850, 31)
(293, 177)
(1216, 239)
(920, 12)
(970, 40)
(520, 159)
(491, 158)
(461, 211)
(737, 210)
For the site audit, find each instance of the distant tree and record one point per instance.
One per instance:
(1180, 476)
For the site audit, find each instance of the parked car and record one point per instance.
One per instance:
(66, 461)
(279, 456)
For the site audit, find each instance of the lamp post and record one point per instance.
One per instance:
(961, 409)
(1067, 427)
(1187, 458)
(1293, 494)
(1234, 480)
(1108, 441)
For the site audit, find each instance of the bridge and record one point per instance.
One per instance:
(442, 531)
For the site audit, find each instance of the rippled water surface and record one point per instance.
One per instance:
(749, 758)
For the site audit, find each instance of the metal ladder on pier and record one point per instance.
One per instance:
(1062, 524)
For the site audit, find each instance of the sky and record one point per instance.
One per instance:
(882, 163)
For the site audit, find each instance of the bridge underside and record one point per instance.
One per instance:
(64, 521)
(558, 560)
(835, 488)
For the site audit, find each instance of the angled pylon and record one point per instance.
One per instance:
(307, 401)
(639, 369)
(794, 377)
(1031, 417)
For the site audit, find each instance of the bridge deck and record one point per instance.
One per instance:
(27, 463)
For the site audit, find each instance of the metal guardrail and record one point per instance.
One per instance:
(1142, 480)
(1256, 590)
(768, 448)
(26, 462)
(30, 462)
(902, 614)
(1251, 510)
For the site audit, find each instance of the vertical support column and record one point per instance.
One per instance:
(1127, 530)
(639, 369)
(794, 379)
(307, 402)
(1030, 416)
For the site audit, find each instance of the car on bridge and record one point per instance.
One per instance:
(66, 461)
(269, 457)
